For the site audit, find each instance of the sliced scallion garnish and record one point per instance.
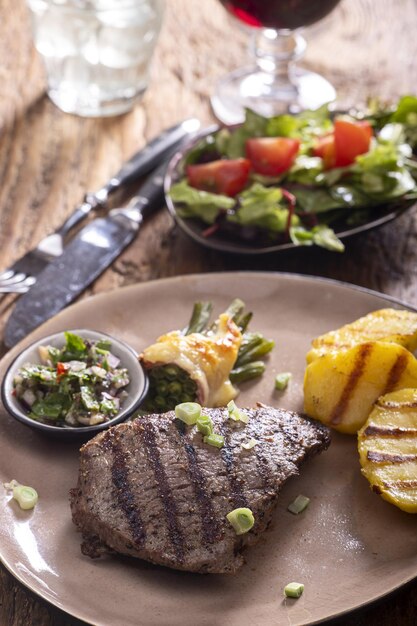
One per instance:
(293, 590)
(282, 380)
(214, 440)
(299, 505)
(241, 519)
(188, 412)
(27, 497)
(236, 414)
(248, 445)
(205, 425)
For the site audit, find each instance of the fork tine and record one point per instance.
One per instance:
(19, 287)
(30, 280)
(14, 288)
(6, 275)
(14, 279)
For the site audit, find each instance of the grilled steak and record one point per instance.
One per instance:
(152, 489)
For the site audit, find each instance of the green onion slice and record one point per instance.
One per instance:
(214, 440)
(248, 445)
(293, 590)
(236, 414)
(299, 505)
(282, 380)
(205, 425)
(241, 519)
(27, 497)
(188, 412)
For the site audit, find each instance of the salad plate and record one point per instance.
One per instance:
(229, 244)
(348, 548)
(274, 184)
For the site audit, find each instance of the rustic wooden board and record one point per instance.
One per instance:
(49, 159)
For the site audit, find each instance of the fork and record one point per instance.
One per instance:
(21, 275)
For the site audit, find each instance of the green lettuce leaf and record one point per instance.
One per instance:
(300, 236)
(283, 126)
(406, 110)
(321, 235)
(317, 200)
(205, 146)
(348, 196)
(199, 204)
(406, 114)
(260, 206)
(305, 170)
(325, 237)
(383, 158)
(382, 174)
(392, 133)
(254, 126)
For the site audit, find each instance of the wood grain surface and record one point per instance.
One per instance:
(49, 159)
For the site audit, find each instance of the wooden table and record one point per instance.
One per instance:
(49, 159)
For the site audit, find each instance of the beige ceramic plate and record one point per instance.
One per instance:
(348, 548)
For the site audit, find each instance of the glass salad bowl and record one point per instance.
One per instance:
(275, 184)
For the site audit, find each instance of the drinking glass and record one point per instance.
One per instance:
(275, 84)
(96, 53)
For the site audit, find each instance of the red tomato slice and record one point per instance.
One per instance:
(326, 149)
(272, 155)
(61, 369)
(351, 139)
(227, 176)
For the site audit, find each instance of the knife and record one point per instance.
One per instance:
(85, 257)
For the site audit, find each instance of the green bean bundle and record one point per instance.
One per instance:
(203, 361)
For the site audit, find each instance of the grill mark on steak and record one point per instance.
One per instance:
(209, 523)
(261, 462)
(176, 537)
(263, 469)
(123, 492)
(236, 484)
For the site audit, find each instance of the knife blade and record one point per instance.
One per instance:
(85, 257)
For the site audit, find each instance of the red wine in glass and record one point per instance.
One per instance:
(274, 84)
(279, 14)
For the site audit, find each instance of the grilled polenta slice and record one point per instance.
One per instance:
(388, 448)
(384, 325)
(340, 388)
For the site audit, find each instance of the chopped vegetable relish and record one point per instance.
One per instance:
(80, 384)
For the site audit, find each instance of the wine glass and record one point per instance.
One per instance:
(275, 84)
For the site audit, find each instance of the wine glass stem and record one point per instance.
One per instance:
(275, 55)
